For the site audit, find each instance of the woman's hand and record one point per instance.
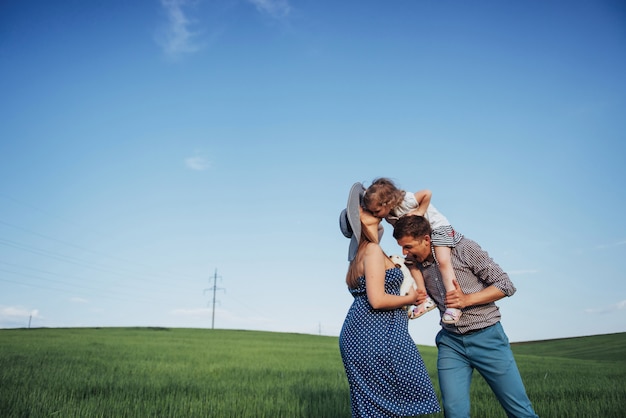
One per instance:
(368, 218)
(371, 224)
(421, 297)
(416, 296)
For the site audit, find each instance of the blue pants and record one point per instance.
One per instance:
(488, 351)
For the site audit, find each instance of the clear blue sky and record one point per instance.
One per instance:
(146, 145)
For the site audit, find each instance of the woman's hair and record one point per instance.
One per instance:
(366, 238)
(383, 193)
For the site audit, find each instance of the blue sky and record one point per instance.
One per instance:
(145, 146)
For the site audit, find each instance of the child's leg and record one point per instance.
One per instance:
(428, 305)
(418, 277)
(444, 258)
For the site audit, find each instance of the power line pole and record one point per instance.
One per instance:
(214, 288)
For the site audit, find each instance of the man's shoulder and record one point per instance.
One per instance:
(465, 242)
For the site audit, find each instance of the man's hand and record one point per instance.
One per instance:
(456, 298)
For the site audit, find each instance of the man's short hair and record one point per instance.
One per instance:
(411, 225)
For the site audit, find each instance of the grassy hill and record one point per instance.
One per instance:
(607, 347)
(159, 372)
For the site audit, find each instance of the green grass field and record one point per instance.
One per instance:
(153, 372)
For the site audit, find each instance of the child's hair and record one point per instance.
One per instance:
(383, 193)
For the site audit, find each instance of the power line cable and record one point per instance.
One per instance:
(82, 263)
(178, 275)
(65, 275)
(118, 297)
(83, 248)
(73, 285)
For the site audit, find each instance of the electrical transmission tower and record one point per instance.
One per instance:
(214, 288)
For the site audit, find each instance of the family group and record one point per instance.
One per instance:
(385, 371)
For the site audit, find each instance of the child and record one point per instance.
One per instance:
(384, 200)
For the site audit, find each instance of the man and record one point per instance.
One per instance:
(477, 340)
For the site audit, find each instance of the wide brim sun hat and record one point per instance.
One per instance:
(350, 219)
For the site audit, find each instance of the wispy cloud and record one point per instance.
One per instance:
(611, 245)
(11, 311)
(180, 34)
(198, 162)
(11, 316)
(274, 8)
(178, 37)
(78, 300)
(619, 306)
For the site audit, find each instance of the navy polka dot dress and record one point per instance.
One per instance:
(385, 371)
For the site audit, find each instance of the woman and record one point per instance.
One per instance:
(385, 371)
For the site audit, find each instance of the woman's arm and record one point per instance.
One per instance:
(370, 221)
(374, 266)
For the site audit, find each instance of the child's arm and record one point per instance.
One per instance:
(423, 200)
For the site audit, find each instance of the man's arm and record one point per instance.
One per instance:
(486, 269)
(457, 299)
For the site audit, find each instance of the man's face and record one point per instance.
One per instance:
(419, 247)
